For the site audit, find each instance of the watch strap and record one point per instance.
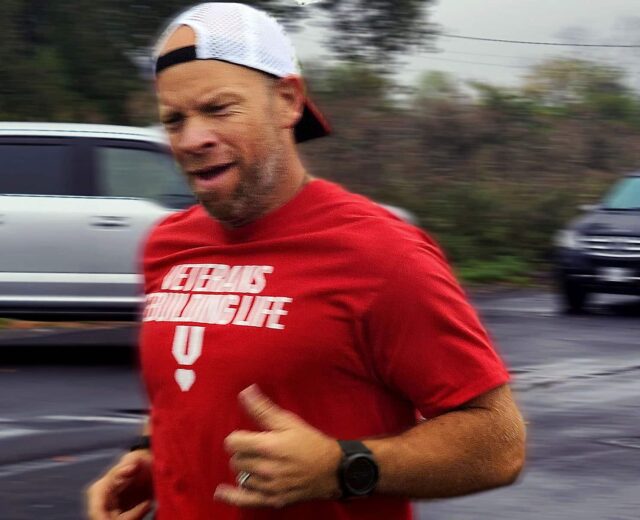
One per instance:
(142, 443)
(352, 447)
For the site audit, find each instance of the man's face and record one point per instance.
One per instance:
(222, 125)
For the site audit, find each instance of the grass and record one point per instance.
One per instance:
(4, 323)
(505, 269)
(18, 324)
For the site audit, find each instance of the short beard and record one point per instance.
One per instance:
(254, 195)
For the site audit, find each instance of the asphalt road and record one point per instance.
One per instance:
(66, 413)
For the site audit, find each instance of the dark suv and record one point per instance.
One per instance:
(600, 251)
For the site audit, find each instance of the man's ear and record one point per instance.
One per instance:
(290, 100)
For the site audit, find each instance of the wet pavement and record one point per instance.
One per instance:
(66, 413)
(577, 379)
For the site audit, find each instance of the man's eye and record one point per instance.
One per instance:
(219, 110)
(171, 121)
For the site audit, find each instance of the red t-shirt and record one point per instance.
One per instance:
(339, 311)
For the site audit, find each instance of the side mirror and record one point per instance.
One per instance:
(588, 207)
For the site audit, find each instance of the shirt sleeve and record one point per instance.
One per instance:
(425, 338)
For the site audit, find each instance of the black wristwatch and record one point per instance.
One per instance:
(142, 443)
(358, 471)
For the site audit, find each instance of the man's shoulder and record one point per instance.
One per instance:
(176, 227)
(185, 217)
(348, 207)
(371, 231)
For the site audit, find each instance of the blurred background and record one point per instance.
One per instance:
(510, 131)
(493, 145)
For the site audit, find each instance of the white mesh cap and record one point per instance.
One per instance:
(240, 34)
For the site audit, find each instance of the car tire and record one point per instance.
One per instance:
(574, 297)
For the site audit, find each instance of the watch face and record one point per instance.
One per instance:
(361, 474)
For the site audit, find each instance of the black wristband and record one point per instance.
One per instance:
(143, 443)
(358, 471)
(352, 447)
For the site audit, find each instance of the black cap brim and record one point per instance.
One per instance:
(312, 124)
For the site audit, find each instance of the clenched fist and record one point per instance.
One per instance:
(125, 492)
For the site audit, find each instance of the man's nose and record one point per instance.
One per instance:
(197, 137)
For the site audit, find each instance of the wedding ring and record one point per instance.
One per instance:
(242, 478)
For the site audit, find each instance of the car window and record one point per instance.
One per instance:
(146, 174)
(624, 195)
(35, 169)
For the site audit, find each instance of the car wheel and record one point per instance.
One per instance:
(574, 297)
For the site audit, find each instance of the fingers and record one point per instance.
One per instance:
(136, 513)
(262, 444)
(124, 474)
(257, 466)
(268, 487)
(102, 499)
(268, 477)
(104, 496)
(240, 497)
(97, 502)
(267, 414)
(132, 467)
(102, 503)
(250, 498)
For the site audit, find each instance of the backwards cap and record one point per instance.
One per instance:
(243, 35)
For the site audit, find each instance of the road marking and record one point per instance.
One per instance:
(94, 418)
(11, 470)
(625, 442)
(568, 370)
(7, 433)
(75, 278)
(524, 309)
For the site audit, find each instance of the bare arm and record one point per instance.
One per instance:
(476, 447)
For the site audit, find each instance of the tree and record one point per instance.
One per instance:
(354, 81)
(435, 85)
(376, 31)
(81, 59)
(571, 85)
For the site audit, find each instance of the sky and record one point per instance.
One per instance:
(583, 21)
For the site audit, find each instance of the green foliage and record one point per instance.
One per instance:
(507, 102)
(434, 86)
(86, 60)
(376, 31)
(580, 87)
(492, 175)
(491, 172)
(350, 80)
(509, 269)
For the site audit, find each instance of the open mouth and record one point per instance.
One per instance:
(211, 172)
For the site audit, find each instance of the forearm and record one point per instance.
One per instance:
(461, 452)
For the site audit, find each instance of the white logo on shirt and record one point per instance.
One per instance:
(187, 348)
(192, 293)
